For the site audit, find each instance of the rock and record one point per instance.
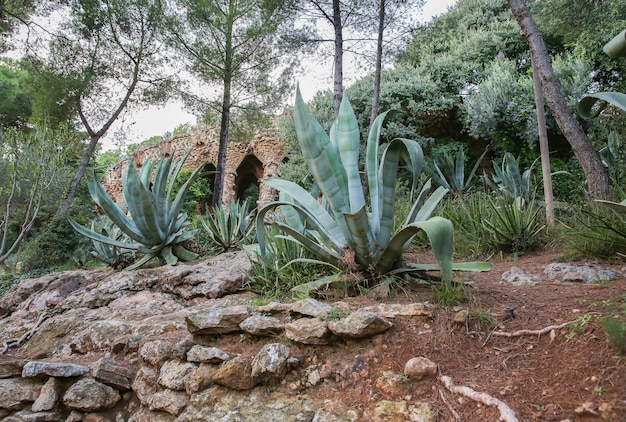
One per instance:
(213, 278)
(108, 372)
(359, 324)
(585, 273)
(356, 370)
(207, 354)
(460, 318)
(52, 369)
(200, 379)
(145, 384)
(519, 277)
(391, 411)
(11, 368)
(271, 363)
(419, 368)
(217, 321)
(422, 412)
(311, 307)
(156, 351)
(48, 396)
(308, 331)
(26, 416)
(235, 374)
(90, 395)
(172, 402)
(173, 374)
(260, 325)
(15, 391)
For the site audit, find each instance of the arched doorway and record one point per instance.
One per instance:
(249, 172)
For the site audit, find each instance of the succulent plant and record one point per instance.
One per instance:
(345, 230)
(155, 227)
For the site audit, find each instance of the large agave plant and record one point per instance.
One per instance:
(344, 230)
(155, 226)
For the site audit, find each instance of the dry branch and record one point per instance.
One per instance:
(506, 413)
(520, 333)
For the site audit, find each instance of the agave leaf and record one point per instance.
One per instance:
(324, 282)
(322, 158)
(119, 218)
(316, 210)
(295, 236)
(141, 205)
(363, 242)
(617, 206)
(348, 136)
(428, 206)
(371, 165)
(585, 106)
(440, 232)
(99, 237)
(476, 267)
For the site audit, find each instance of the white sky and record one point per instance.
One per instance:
(156, 121)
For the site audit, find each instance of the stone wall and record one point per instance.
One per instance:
(246, 163)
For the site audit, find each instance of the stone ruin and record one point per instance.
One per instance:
(247, 164)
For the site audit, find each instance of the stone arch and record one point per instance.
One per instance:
(249, 172)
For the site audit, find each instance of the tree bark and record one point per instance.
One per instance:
(597, 177)
(338, 81)
(379, 62)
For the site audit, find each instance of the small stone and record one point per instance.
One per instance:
(460, 317)
(204, 354)
(311, 307)
(419, 368)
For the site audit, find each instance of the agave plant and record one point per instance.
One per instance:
(344, 230)
(449, 172)
(155, 227)
(231, 227)
(109, 254)
(508, 178)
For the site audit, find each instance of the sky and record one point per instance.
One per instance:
(156, 121)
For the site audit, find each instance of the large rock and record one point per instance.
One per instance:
(90, 395)
(217, 321)
(308, 331)
(14, 392)
(360, 324)
(271, 363)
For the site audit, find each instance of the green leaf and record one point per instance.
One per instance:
(585, 106)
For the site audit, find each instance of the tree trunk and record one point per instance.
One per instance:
(338, 82)
(379, 62)
(220, 168)
(596, 174)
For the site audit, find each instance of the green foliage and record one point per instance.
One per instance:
(449, 172)
(198, 193)
(451, 295)
(15, 102)
(485, 225)
(231, 227)
(156, 227)
(508, 178)
(615, 327)
(342, 232)
(111, 255)
(54, 243)
(285, 265)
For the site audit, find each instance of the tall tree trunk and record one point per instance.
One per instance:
(220, 168)
(379, 62)
(338, 82)
(596, 174)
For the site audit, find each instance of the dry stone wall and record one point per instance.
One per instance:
(246, 163)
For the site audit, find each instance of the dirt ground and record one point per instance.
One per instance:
(570, 373)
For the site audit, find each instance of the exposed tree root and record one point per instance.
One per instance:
(520, 333)
(19, 341)
(506, 413)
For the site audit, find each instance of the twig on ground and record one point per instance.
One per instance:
(506, 413)
(520, 333)
(454, 412)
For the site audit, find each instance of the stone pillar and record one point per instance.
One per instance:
(230, 190)
(267, 194)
